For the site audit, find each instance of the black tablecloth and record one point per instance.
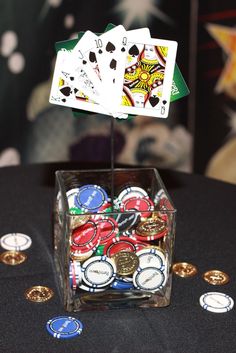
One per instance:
(206, 236)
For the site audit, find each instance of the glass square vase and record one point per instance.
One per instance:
(114, 237)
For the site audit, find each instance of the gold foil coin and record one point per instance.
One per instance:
(39, 294)
(13, 257)
(126, 262)
(151, 227)
(184, 269)
(216, 277)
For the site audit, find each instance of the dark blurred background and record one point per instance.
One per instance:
(199, 134)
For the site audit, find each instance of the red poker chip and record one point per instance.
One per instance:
(85, 237)
(143, 238)
(164, 204)
(105, 207)
(119, 244)
(108, 229)
(141, 204)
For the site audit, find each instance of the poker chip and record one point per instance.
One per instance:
(216, 302)
(122, 285)
(75, 275)
(131, 191)
(100, 250)
(119, 244)
(98, 271)
(127, 220)
(90, 198)
(105, 208)
(70, 194)
(92, 290)
(144, 205)
(108, 229)
(75, 211)
(15, 241)
(151, 257)
(85, 238)
(64, 327)
(149, 279)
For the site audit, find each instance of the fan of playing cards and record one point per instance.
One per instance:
(117, 73)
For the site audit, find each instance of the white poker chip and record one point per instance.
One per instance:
(151, 257)
(92, 290)
(149, 279)
(216, 302)
(98, 271)
(132, 191)
(71, 197)
(15, 241)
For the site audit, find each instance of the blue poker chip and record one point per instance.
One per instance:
(90, 198)
(64, 327)
(122, 285)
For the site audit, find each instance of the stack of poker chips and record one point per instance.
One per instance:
(121, 246)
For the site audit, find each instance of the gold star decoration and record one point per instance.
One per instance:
(226, 38)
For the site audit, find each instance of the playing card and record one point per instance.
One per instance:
(147, 78)
(72, 87)
(179, 87)
(109, 52)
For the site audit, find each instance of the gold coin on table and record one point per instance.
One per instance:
(216, 277)
(39, 294)
(13, 257)
(184, 269)
(126, 262)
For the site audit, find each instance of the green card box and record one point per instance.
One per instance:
(113, 239)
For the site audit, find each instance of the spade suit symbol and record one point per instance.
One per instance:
(154, 101)
(66, 91)
(133, 51)
(113, 64)
(110, 47)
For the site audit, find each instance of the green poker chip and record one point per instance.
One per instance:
(100, 250)
(75, 210)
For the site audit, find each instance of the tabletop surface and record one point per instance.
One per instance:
(205, 236)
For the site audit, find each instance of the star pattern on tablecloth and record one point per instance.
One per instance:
(226, 38)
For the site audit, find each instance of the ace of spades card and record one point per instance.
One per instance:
(74, 82)
(147, 78)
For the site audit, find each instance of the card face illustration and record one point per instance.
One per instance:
(148, 76)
